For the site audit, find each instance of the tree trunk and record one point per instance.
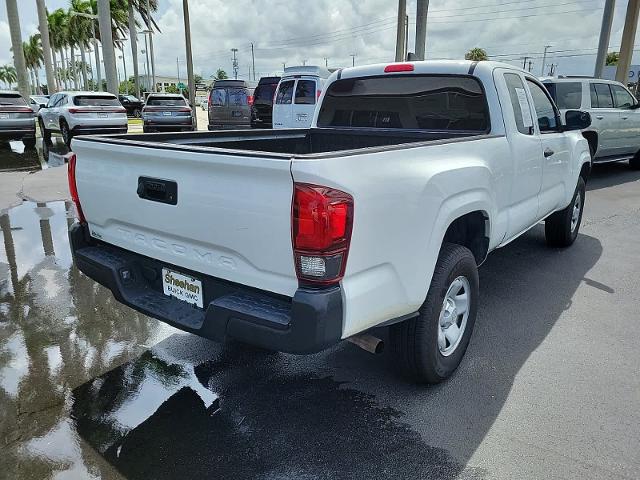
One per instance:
(43, 26)
(29, 83)
(16, 44)
(64, 71)
(96, 49)
(108, 52)
(83, 59)
(134, 47)
(56, 71)
(73, 67)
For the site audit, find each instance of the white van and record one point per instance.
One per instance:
(296, 96)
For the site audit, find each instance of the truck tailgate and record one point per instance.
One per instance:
(231, 218)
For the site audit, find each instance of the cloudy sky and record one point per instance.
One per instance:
(290, 31)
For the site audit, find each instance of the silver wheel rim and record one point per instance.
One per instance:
(453, 316)
(575, 214)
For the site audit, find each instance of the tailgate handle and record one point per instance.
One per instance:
(158, 190)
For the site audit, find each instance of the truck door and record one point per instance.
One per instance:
(629, 120)
(282, 107)
(605, 118)
(526, 154)
(304, 104)
(556, 151)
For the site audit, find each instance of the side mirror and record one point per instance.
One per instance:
(576, 120)
(635, 106)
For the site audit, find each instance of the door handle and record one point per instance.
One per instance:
(548, 152)
(599, 117)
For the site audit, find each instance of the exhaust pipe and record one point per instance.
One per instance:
(368, 342)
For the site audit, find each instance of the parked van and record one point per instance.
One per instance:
(262, 109)
(230, 104)
(296, 96)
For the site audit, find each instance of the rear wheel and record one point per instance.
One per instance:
(29, 142)
(634, 163)
(428, 348)
(561, 228)
(46, 134)
(137, 113)
(66, 133)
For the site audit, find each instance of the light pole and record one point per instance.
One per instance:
(235, 63)
(190, 77)
(544, 59)
(126, 79)
(353, 59)
(95, 45)
(153, 58)
(146, 52)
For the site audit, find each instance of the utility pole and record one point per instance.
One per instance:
(190, 78)
(235, 63)
(628, 38)
(524, 62)
(544, 59)
(124, 67)
(146, 53)
(43, 26)
(134, 48)
(605, 33)
(353, 59)
(326, 62)
(153, 58)
(400, 34)
(178, 67)
(108, 51)
(284, 66)
(405, 55)
(530, 64)
(253, 62)
(421, 28)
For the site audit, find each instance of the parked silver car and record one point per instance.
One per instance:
(16, 119)
(167, 112)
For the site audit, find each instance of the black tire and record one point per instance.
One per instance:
(634, 163)
(29, 142)
(67, 136)
(559, 228)
(415, 342)
(137, 113)
(46, 134)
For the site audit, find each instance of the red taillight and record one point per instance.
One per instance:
(399, 67)
(98, 110)
(73, 189)
(250, 100)
(318, 93)
(322, 219)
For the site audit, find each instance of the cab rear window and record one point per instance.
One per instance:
(417, 102)
(95, 101)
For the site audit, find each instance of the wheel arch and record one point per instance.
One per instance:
(592, 139)
(473, 231)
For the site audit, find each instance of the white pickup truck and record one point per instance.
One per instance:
(378, 215)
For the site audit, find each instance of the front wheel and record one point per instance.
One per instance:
(428, 348)
(561, 228)
(634, 163)
(137, 113)
(46, 134)
(66, 133)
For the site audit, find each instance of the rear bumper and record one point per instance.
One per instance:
(99, 130)
(18, 132)
(307, 323)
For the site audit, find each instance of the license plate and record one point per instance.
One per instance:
(4, 116)
(235, 113)
(182, 287)
(166, 114)
(102, 115)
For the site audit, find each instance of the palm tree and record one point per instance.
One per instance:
(34, 57)
(139, 6)
(58, 35)
(16, 43)
(8, 75)
(83, 29)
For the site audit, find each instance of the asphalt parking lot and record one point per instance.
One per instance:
(549, 388)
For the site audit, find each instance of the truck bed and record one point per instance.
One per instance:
(285, 142)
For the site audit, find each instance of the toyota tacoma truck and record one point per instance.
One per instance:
(377, 216)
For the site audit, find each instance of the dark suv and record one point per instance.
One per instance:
(230, 104)
(262, 108)
(132, 104)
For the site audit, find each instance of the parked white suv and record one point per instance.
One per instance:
(74, 113)
(297, 95)
(614, 134)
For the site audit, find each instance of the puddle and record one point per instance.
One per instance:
(14, 157)
(58, 330)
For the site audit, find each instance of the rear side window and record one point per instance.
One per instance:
(8, 99)
(166, 101)
(285, 93)
(567, 95)
(265, 92)
(622, 97)
(306, 92)
(545, 111)
(424, 102)
(519, 103)
(95, 101)
(237, 96)
(603, 96)
(219, 97)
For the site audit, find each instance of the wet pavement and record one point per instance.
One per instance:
(14, 157)
(549, 387)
